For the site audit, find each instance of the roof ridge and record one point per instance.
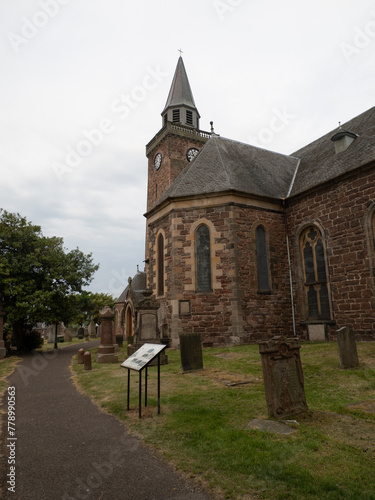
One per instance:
(221, 159)
(258, 147)
(294, 178)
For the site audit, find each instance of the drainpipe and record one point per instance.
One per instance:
(290, 271)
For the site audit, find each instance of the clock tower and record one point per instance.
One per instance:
(178, 141)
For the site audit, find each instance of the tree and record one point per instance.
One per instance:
(88, 305)
(39, 278)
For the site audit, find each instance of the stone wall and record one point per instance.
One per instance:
(173, 149)
(234, 311)
(341, 210)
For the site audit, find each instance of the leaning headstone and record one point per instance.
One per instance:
(347, 348)
(283, 377)
(191, 351)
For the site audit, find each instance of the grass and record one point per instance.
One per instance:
(7, 366)
(202, 426)
(49, 346)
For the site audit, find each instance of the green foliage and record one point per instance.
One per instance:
(89, 304)
(32, 340)
(39, 278)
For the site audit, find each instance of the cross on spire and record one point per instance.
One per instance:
(180, 51)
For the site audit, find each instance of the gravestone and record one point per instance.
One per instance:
(92, 329)
(106, 352)
(316, 333)
(146, 329)
(81, 332)
(283, 377)
(68, 335)
(347, 348)
(51, 333)
(191, 351)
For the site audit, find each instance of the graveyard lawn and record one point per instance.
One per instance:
(202, 426)
(7, 366)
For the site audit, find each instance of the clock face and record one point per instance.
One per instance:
(191, 153)
(157, 161)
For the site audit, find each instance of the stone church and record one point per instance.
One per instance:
(243, 243)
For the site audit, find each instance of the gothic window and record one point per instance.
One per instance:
(160, 265)
(262, 260)
(203, 259)
(316, 285)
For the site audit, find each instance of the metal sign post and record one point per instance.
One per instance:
(139, 361)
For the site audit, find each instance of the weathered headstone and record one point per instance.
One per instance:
(283, 377)
(106, 352)
(316, 333)
(92, 329)
(81, 332)
(191, 351)
(51, 333)
(120, 340)
(68, 335)
(347, 348)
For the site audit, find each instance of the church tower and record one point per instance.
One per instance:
(178, 141)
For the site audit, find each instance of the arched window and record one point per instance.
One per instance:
(315, 274)
(262, 260)
(160, 265)
(203, 259)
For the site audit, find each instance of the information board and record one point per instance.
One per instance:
(143, 356)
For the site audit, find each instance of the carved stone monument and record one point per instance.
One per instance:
(106, 352)
(347, 348)
(283, 377)
(147, 330)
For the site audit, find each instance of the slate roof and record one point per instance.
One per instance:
(224, 165)
(319, 162)
(180, 93)
(137, 286)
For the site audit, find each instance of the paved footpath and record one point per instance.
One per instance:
(67, 449)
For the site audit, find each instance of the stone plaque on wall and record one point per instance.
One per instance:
(283, 377)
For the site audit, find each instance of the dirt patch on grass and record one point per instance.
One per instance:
(343, 428)
(363, 406)
(229, 355)
(227, 378)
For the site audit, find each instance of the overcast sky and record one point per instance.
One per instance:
(83, 83)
